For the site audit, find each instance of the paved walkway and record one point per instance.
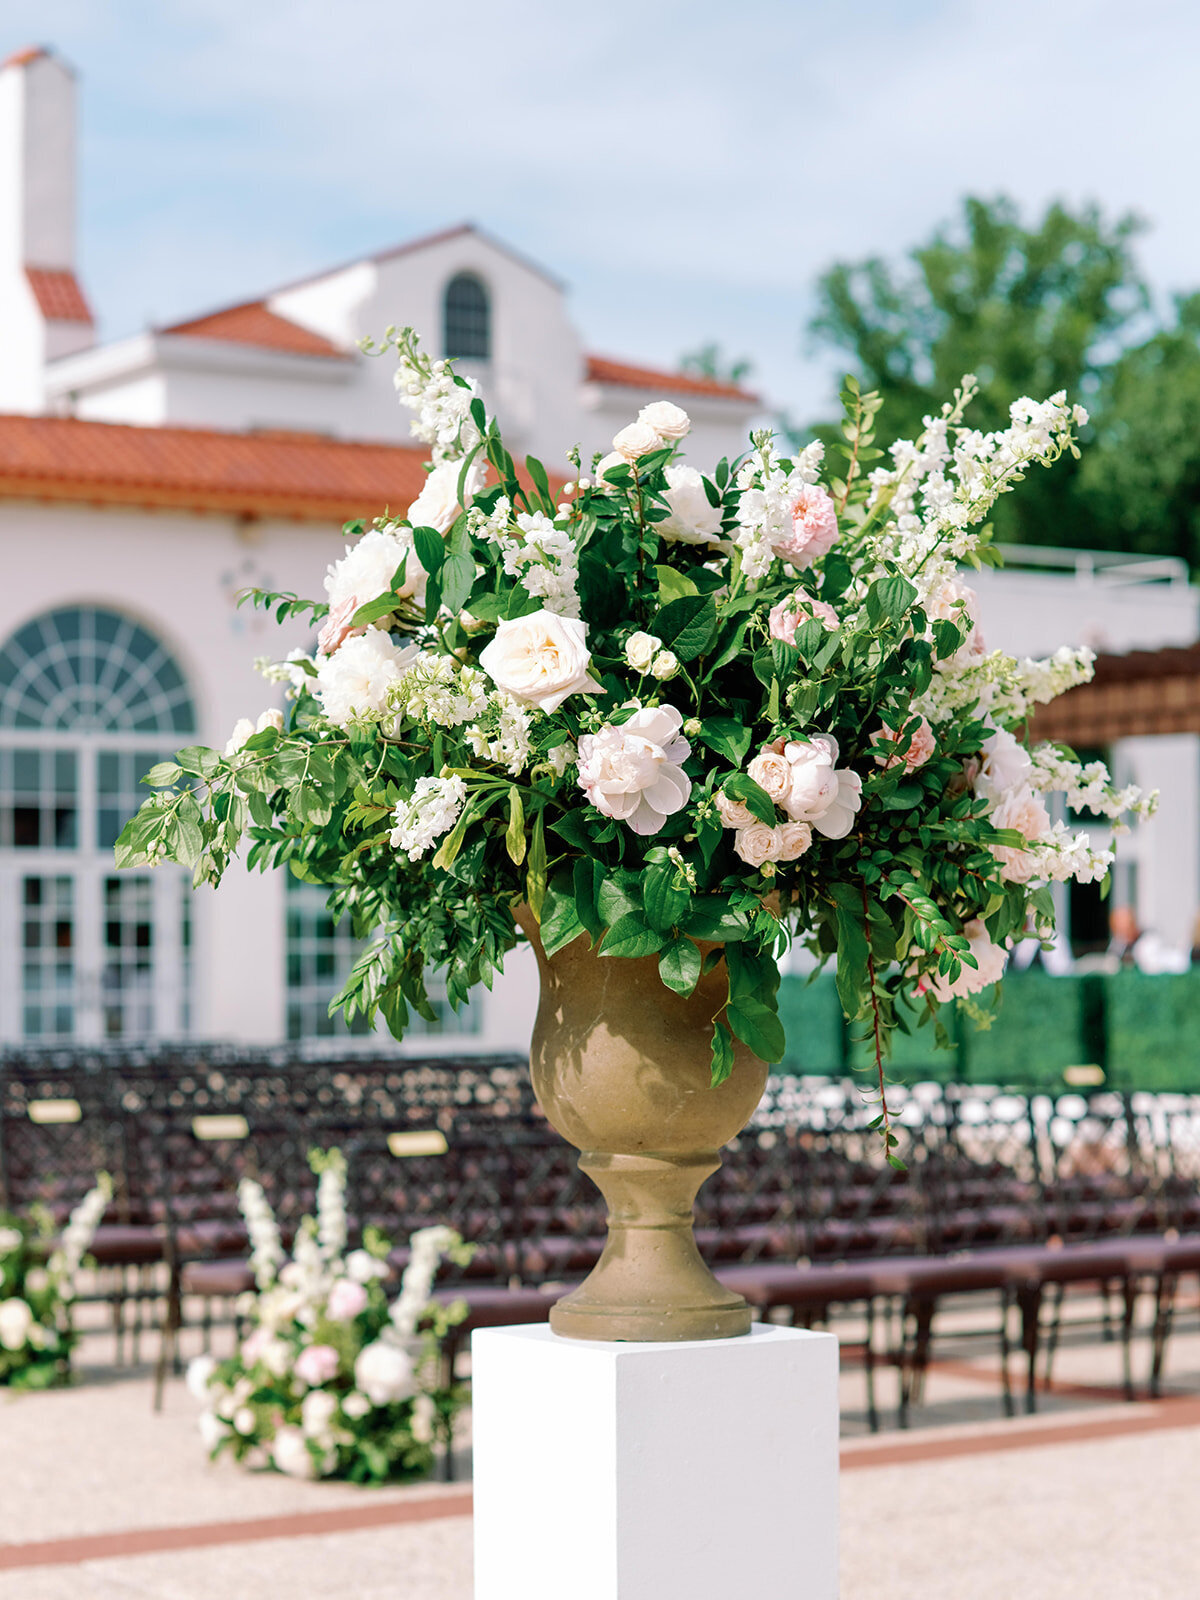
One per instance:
(1092, 1500)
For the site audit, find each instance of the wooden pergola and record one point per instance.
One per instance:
(1144, 692)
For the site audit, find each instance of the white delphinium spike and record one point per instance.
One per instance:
(331, 1207)
(428, 1246)
(78, 1234)
(266, 1246)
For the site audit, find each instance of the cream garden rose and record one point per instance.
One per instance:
(438, 503)
(540, 659)
(669, 421)
(635, 440)
(634, 771)
(693, 520)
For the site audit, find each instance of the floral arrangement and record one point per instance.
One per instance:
(693, 712)
(334, 1379)
(38, 1283)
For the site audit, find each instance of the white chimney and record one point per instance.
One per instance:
(43, 312)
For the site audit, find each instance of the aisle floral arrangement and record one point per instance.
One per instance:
(38, 1283)
(334, 1378)
(671, 707)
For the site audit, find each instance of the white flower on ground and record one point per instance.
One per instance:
(317, 1411)
(317, 1364)
(363, 1267)
(991, 960)
(640, 650)
(198, 1373)
(438, 504)
(540, 659)
(290, 1454)
(637, 440)
(353, 683)
(16, 1319)
(669, 421)
(212, 1429)
(693, 520)
(432, 809)
(346, 1300)
(384, 1373)
(635, 772)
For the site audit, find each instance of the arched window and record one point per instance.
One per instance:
(466, 319)
(89, 700)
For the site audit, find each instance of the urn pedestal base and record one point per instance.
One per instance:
(704, 1470)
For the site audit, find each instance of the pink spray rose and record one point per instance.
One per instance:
(317, 1365)
(921, 745)
(814, 528)
(346, 1300)
(787, 616)
(336, 626)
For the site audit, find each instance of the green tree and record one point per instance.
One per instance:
(1139, 480)
(710, 361)
(1029, 310)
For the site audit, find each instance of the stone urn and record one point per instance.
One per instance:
(620, 1067)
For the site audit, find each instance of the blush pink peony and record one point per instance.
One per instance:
(921, 745)
(787, 616)
(317, 1365)
(814, 529)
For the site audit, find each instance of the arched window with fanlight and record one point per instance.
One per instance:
(90, 699)
(466, 319)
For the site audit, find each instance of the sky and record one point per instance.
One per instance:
(688, 168)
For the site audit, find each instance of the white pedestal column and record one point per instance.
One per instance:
(697, 1471)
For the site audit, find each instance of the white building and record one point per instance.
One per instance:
(145, 483)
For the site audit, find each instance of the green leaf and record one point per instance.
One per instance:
(673, 585)
(163, 775)
(889, 598)
(630, 936)
(713, 920)
(560, 919)
(679, 966)
(540, 479)
(430, 548)
(665, 904)
(852, 955)
(728, 737)
(686, 625)
(586, 876)
(615, 900)
(743, 787)
(758, 1026)
(514, 838)
(199, 759)
(458, 571)
(722, 1054)
(535, 874)
(383, 606)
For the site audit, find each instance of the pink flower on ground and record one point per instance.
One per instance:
(921, 745)
(346, 1300)
(317, 1365)
(814, 528)
(336, 626)
(787, 616)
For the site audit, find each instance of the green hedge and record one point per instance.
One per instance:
(1143, 1032)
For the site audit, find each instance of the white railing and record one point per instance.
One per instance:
(1106, 568)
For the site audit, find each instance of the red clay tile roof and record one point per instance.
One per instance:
(57, 292)
(254, 323)
(300, 477)
(602, 370)
(22, 58)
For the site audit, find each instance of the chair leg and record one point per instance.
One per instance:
(449, 1361)
(914, 1364)
(869, 1369)
(1029, 1299)
(168, 1337)
(1052, 1337)
(1129, 1291)
(1005, 1377)
(1164, 1308)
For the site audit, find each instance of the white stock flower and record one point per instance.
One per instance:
(693, 520)
(16, 1320)
(669, 421)
(437, 506)
(432, 809)
(353, 683)
(384, 1373)
(635, 440)
(363, 1267)
(640, 650)
(540, 659)
(634, 772)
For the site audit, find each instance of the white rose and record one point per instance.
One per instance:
(636, 440)
(355, 681)
(613, 459)
(757, 844)
(665, 665)
(669, 421)
(692, 519)
(438, 505)
(773, 774)
(212, 1429)
(838, 816)
(794, 839)
(733, 813)
(270, 719)
(640, 650)
(198, 1373)
(366, 570)
(317, 1412)
(992, 959)
(10, 1239)
(243, 729)
(635, 772)
(384, 1373)
(244, 1421)
(1005, 766)
(355, 1406)
(813, 785)
(540, 659)
(290, 1453)
(16, 1319)
(37, 1280)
